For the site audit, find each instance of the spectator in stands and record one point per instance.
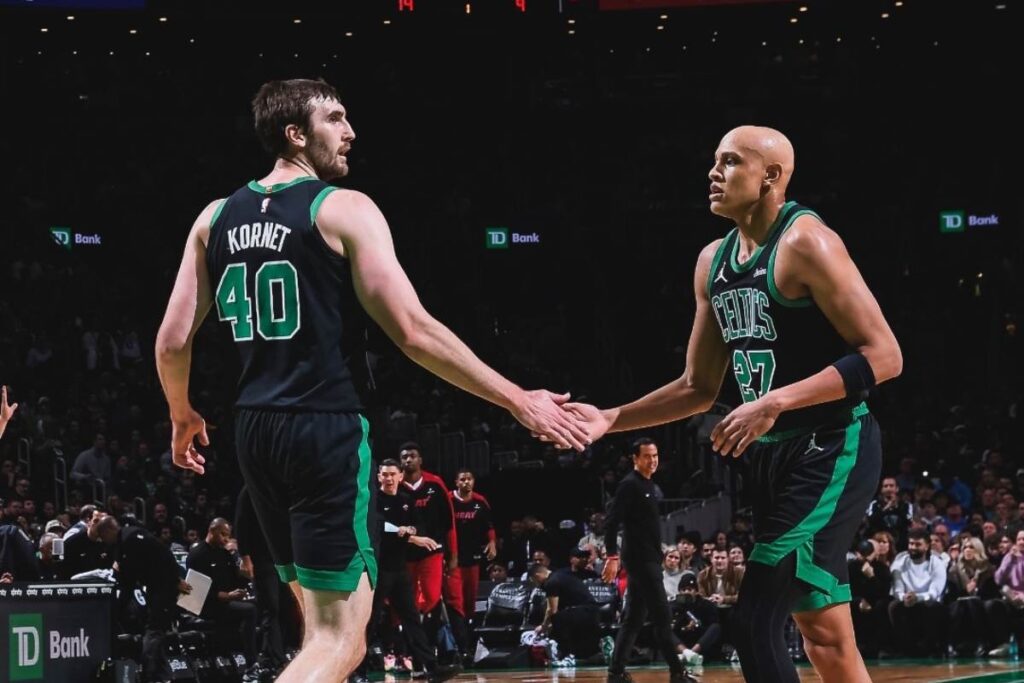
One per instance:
(85, 515)
(737, 558)
(937, 545)
(539, 557)
(85, 551)
(695, 623)
(513, 549)
(889, 513)
(17, 554)
(539, 538)
(917, 613)
(886, 550)
(571, 616)
(159, 519)
(226, 605)
(707, 548)
(929, 515)
(47, 560)
(954, 519)
(6, 411)
(970, 581)
(689, 558)
(1007, 615)
(740, 533)
(581, 564)
(497, 573)
(595, 533)
(671, 573)
(870, 583)
(720, 583)
(91, 465)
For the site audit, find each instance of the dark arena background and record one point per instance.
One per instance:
(543, 166)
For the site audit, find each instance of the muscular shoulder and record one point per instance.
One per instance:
(703, 269)
(809, 239)
(201, 228)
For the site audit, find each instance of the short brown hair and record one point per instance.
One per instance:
(279, 104)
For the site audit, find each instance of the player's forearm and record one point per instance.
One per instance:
(437, 349)
(173, 366)
(674, 401)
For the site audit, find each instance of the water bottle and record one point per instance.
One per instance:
(1013, 647)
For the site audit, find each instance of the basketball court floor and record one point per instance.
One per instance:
(897, 671)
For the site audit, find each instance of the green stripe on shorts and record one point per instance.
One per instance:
(286, 572)
(801, 537)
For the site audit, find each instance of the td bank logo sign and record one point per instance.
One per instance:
(28, 647)
(957, 221)
(500, 238)
(65, 237)
(26, 661)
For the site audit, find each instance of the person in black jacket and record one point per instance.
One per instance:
(635, 509)
(225, 605)
(397, 515)
(142, 560)
(695, 622)
(572, 616)
(870, 585)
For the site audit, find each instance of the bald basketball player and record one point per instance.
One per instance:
(781, 306)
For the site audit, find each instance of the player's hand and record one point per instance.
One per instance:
(424, 542)
(236, 594)
(183, 448)
(542, 413)
(184, 587)
(490, 551)
(611, 570)
(6, 410)
(595, 421)
(742, 426)
(716, 598)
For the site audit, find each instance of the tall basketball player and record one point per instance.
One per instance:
(281, 258)
(782, 306)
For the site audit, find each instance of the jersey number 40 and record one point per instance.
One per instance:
(278, 313)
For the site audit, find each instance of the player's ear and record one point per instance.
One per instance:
(295, 135)
(772, 174)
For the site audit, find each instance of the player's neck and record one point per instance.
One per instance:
(287, 170)
(413, 478)
(757, 222)
(462, 497)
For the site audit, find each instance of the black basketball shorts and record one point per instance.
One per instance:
(311, 481)
(811, 494)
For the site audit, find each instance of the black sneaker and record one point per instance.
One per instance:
(682, 677)
(622, 677)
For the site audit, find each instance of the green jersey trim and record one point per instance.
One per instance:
(749, 263)
(216, 212)
(779, 297)
(718, 259)
(269, 189)
(315, 206)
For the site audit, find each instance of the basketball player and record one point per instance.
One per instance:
(781, 305)
(281, 257)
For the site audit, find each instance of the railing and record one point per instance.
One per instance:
(704, 516)
(140, 510)
(24, 453)
(478, 458)
(60, 484)
(100, 498)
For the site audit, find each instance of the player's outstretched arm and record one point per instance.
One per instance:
(6, 410)
(189, 303)
(354, 227)
(814, 256)
(694, 392)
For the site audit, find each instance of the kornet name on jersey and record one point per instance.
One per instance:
(284, 296)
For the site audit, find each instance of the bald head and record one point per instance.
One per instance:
(753, 164)
(767, 143)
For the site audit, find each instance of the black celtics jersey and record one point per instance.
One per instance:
(283, 292)
(773, 341)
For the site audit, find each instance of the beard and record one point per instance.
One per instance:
(915, 554)
(325, 161)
